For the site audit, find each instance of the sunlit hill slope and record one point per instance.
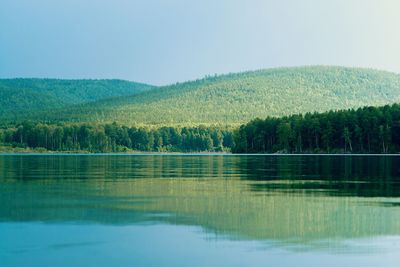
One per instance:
(238, 98)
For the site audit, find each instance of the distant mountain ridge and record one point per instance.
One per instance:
(33, 94)
(236, 98)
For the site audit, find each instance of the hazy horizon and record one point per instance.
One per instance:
(163, 42)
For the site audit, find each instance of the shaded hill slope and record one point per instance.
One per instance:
(27, 95)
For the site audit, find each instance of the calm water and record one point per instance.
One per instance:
(199, 211)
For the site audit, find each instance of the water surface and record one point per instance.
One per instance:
(198, 210)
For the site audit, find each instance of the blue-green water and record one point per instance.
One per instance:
(199, 210)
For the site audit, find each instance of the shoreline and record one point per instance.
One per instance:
(52, 153)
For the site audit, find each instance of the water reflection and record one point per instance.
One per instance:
(362, 176)
(318, 201)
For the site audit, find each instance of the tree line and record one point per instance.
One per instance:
(115, 138)
(364, 130)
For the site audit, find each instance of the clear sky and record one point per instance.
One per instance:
(164, 41)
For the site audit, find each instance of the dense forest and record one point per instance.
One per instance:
(201, 115)
(365, 130)
(113, 138)
(19, 97)
(231, 99)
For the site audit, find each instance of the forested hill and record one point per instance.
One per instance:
(27, 95)
(238, 98)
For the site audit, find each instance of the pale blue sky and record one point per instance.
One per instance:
(164, 41)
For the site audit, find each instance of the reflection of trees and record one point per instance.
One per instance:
(363, 176)
(241, 197)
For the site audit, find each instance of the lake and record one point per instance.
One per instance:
(199, 210)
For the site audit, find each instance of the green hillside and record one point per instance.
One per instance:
(26, 95)
(238, 98)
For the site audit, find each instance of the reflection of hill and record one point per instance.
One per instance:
(232, 196)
